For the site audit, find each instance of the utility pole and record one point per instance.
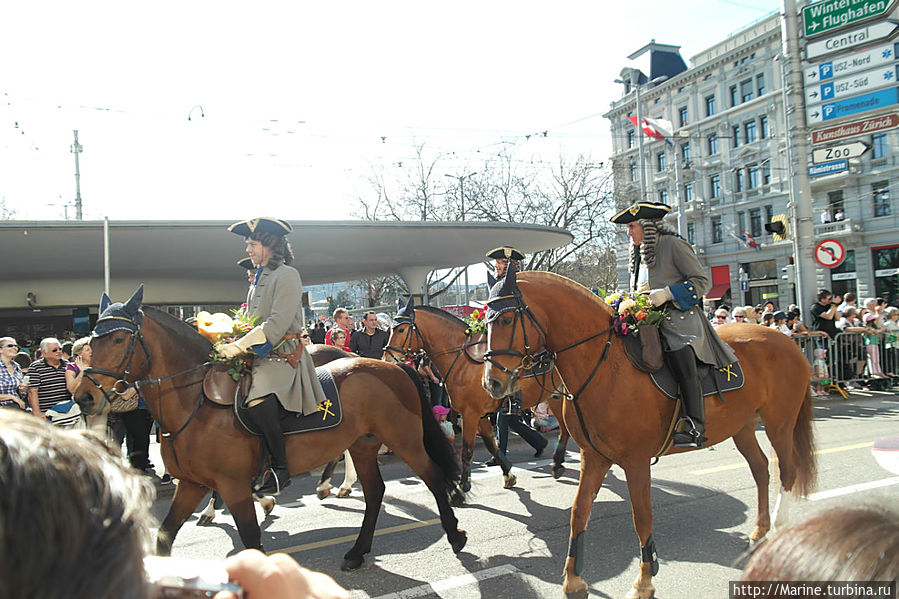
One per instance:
(461, 180)
(77, 149)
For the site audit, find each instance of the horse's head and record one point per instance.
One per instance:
(514, 337)
(405, 339)
(114, 343)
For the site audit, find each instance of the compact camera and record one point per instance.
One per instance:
(174, 578)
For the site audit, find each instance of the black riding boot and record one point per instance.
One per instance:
(266, 417)
(683, 364)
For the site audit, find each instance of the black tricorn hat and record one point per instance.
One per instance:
(505, 253)
(640, 211)
(246, 263)
(263, 224)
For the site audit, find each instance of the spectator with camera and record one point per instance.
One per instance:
(825, 314)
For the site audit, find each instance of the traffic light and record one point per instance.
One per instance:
(778, 227)
(329, 299)
(789, 273)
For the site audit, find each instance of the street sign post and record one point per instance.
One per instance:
(850, 85)
(854, 105)
(825, 16)
(846, 40)
(850, 150)
(828, 168)
(856, 128)
(851, 63)
(830, 253)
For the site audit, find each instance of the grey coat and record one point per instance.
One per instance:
(277, 300)
(686, 324)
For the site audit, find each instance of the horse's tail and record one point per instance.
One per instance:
(439, 449)
(804, 448)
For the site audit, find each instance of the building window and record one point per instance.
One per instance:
(631, 139)
(713, 144)
(715, 186)
(688, 192)
(835, 202)
(633, 171)
(685, 152)
(881, 192)
(737, 136)
(710, 107)
(734, 98)
(879, 141)
(766, 174)
(753, 175)
(741, 220)
(663, 196)
(682, 115)
(691, 233)
(738, 180)
(717, 232)
(760, 84)
(746, 91)
(751, 131)
(661, 161)
(764, 131)
(755, 222)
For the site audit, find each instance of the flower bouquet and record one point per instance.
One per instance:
(475, 322)
(634, 311)
(220, 328)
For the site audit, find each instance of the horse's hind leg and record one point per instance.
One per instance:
(240, 502)
(593, 471)
(185, 499)
(323, 489)
(748, 445)
(349, 475)
(365, 458)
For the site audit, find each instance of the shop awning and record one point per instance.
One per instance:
(717, 292)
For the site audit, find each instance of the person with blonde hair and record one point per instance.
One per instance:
(81, 354)
(13, 389)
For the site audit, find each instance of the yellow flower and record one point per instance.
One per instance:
(626, 305)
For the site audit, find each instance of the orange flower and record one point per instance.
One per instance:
(641, 315)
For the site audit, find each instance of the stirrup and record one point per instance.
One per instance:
(270, 483)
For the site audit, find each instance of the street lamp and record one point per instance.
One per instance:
(632, 81)
(461, 179)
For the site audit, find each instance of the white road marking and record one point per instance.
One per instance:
(874, 484)
(446, 584)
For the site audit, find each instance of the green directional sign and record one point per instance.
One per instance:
(828, 15)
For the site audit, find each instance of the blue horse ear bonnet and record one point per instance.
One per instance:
(119, 316)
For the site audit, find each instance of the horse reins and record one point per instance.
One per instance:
(406, 348)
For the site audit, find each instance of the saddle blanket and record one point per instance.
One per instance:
(329, 414)
(714, 380)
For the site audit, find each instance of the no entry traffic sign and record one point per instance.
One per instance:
(830, 253)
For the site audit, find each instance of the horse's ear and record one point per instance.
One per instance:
(134, 304)
(411, 303)
(510, 282)
(105, 302)
(399, 304)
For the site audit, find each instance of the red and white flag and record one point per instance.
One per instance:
(655, 128)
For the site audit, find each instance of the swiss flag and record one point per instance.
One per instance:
(655, 128)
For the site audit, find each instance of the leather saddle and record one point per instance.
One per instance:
(645, 349)
(220, 387)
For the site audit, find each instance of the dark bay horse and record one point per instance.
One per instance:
(205, 448)
(443, 337)
(618, 416)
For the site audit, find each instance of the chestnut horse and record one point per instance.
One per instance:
(617, 415)
(444, 338)
(204, 446)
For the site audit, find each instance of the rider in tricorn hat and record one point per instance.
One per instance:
(502, 255)
(664, 265)
(275, 298)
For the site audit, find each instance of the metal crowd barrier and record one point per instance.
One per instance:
(851, 358)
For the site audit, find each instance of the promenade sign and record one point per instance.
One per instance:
(850, 85)
(856, 62)
(846, 40)
(856, 128)
(828, 15)
(854, 105)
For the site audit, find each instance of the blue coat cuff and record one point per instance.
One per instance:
(684, 295)
(262, 349)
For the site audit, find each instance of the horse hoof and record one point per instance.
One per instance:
(204, 520)
(581, 594)
(322, 493)
(268, 504)
(558, 471)
(641, 593)
(509, 481)
(459, 542)
(351, 563)
(466, 485)
(344, 493)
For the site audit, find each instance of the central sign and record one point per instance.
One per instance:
(854, 38)
(830, 14)
(853, 63)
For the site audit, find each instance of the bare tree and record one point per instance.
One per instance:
(6, 213)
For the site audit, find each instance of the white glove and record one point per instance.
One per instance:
(242, 345)
(657, 297)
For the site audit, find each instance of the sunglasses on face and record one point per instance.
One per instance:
(305, 336)
(11, 345)
(53, 351)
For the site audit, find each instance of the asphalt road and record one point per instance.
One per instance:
(704, 509)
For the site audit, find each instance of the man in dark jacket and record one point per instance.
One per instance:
(370, 341)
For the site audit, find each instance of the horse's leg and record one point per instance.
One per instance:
(471, 425)
(240, 502)
(349, 475)
(365, 452)
(558, 469)
(638, 487)
(208, 514)
(323, 489)
(185, 499)
(593, 471)
(748, 446)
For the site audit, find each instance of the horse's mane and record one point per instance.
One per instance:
(539, 277)
(188, 339)
(440, 313)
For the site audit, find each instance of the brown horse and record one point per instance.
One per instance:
(204, 447)
(617, 415)
(445, 340)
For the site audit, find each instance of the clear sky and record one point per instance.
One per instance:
(294, 105)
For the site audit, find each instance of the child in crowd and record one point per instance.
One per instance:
(872, 344)
(820, 373)
(440, 414)
(543, 420)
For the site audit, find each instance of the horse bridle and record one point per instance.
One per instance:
(405, 348)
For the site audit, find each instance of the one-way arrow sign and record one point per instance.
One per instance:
(850, 150)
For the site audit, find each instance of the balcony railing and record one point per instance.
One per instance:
(840, 227)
